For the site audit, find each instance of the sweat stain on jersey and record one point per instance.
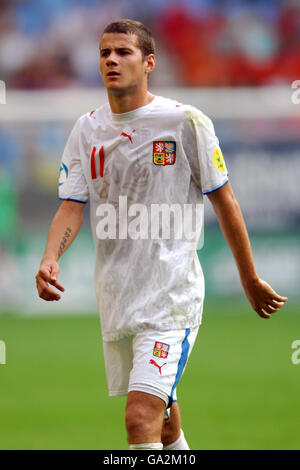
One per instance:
(200, 120)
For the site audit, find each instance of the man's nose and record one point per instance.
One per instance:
(112, 60)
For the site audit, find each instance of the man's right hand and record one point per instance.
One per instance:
(48, 274)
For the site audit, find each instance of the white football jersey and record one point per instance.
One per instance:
(144, 173)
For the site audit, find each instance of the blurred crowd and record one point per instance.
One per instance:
(54, 43)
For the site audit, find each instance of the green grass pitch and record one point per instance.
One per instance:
(240, 389)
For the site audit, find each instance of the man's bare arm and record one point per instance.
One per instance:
(261, 296)
(63, 230)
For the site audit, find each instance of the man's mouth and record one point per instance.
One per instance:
(112, 74)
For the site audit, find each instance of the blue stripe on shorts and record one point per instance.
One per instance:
(182, 361)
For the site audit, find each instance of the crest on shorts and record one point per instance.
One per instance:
(161, 349)
(164, 153)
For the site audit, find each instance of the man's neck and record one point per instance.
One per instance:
(128, 102)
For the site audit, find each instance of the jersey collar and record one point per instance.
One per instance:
(130, 115)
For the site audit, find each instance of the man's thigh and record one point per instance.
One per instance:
(150, 362)
(159, 360)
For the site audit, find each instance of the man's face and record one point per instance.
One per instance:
(122, 66)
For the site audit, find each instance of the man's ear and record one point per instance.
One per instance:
(150, 63)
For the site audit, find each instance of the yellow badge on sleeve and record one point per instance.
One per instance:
(218, 160)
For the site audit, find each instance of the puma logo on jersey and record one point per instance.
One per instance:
(91, 114)
(128, 135)
(156, 365)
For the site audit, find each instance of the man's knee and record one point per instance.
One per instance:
(144, 416)
(137, 421)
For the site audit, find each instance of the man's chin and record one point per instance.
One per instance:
(115, 90)
(118, 90)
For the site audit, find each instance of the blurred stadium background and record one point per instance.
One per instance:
(236, 61)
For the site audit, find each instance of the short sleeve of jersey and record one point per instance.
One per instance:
(72, 185)
(203, 151)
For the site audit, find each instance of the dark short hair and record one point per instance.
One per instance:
(144, 36)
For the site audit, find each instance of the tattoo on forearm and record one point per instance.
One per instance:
(64, 241)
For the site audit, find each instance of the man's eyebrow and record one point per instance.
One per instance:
(124, 48)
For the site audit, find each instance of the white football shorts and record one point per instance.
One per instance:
(150, 361)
